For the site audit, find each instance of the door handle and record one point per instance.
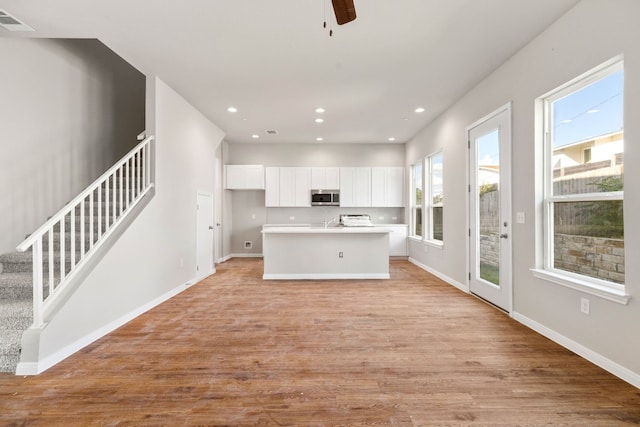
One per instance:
(504, 236)
(211, 227)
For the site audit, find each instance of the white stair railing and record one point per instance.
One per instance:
(89, 218)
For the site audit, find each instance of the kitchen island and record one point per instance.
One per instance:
(308, 252)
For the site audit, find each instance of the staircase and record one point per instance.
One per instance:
(63, 245)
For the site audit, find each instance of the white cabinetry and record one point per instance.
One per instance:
(325, 178)
(387, 187)
(272, 187)
(355, 187)
(244, 177)
(288, 187)
(398, 239)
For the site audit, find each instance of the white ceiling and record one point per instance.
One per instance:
(274, 61)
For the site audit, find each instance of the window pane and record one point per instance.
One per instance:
(418, 221)
(488, 205)
(437, 196)
(588, 139)
(589, 239)
(416, 201)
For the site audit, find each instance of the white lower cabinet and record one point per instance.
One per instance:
(398, 245)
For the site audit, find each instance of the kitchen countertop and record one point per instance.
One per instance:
(310, 229)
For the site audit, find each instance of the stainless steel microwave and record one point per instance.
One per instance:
(325, 198)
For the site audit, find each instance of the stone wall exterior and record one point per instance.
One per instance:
(490, 249)
(597, 257)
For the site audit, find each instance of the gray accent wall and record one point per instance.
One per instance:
(68, 110)
(588, 35)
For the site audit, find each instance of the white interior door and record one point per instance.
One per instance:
(204, 235)
(490, 208)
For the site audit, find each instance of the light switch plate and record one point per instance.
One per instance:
(520, 217)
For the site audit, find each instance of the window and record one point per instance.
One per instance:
(583, 174)
(436, 197)
(416, 200)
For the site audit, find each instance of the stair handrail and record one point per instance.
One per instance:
(28, 242)
(135, 167)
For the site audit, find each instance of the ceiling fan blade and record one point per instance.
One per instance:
(345, 11)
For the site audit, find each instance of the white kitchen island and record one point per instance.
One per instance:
(307, 252)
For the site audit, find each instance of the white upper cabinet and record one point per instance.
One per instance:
(272, 187)
(244, 177)
(387, 187)
(325, 178)
(288, 187)
(355, 187)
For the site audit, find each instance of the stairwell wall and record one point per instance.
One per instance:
(69, 109)
(155, 257)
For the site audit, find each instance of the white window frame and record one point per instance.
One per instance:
(412, 200)
(428, 199)
(602, 288)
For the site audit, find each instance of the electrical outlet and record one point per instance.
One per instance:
(253, 216)
(520, 217)
(585, 306)
(292, 218)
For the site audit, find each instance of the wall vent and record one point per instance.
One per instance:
(10, 23)
(271, 132)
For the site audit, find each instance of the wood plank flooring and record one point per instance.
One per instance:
(234, 350)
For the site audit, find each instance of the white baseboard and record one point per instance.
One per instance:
(35, 368)
(245, 256)
(582, 351)
(464, 288)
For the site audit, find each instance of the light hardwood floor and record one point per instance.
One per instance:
(234, 350)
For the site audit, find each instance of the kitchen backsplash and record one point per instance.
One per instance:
(318, 214)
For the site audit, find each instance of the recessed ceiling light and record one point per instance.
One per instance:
(319, 120)
(319, 139)
(391, 139)
(255, 136)
(593, 110)
(419, 110)
(406, 119)
(566, 121)
(232, 109)
(319, 110)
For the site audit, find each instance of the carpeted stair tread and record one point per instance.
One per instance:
(18, 262)
(10, 345)
(16, 314)
(17, 286)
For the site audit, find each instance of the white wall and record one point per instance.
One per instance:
(590, 34)
(68, 110)
(157, 254)
(248, 212)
